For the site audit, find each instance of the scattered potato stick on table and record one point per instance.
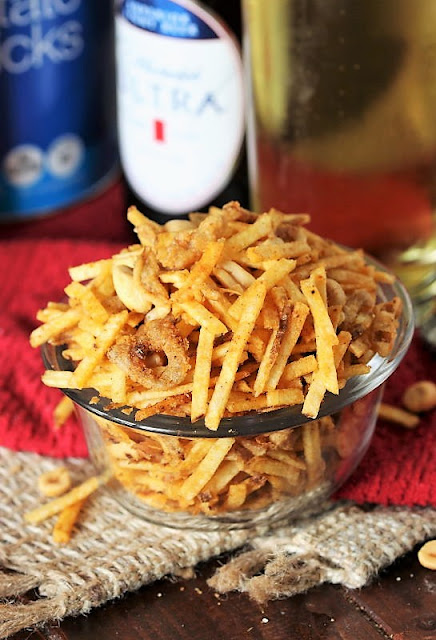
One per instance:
(398, 416)
(80, 492)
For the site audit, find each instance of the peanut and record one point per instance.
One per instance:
(420, 396)
(427, 555)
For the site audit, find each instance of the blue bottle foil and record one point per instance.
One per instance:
(57, 103)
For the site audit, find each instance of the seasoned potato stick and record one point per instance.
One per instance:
(55, 327)
(289, 340)
(88, 271)
(205, 318)
(272, 276)
(267, 362)
(284, 397)
(80, 492)
(59, 379)
(64, 525)
(259, 229)
(205, 265)
(325, 335)
(105, 339)
(207, 467)
(299, 368)
(314, 396)
(217, 404)
(203, 365)
(62, 411)
(89, 300)
(398, 416)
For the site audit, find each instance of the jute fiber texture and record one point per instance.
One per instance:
(113, 552)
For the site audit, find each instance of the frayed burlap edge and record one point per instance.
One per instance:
(113, 552)
(346, 545)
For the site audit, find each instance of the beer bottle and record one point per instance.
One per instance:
(181, 109)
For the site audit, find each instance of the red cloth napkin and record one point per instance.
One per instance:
(399, 467)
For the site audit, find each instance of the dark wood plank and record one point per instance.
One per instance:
(189, 610)
(402, 601)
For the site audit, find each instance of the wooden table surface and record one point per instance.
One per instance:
(400, 604)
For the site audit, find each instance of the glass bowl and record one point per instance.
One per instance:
(256, 469)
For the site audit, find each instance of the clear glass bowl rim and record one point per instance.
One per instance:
(255, 423)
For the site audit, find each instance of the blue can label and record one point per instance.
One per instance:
(57, 129)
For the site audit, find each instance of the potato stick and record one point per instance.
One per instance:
(253, 305)
(292, 290)
(397, 415)
(271, 467)
(299, 368)
(105, 340)
(304, 347)
(319, 278)
(272, 276)
(137, 219)
(253, 232)
(203, 366)
(272, 250)
(288, 397)
(205, 470)
(221, 309)
(228, 281)
(314, 396)
(87, 325)
(289, 458)
(355, 370)
(62, 411)
(352, 277)
(64, 525)
(46, 315)
(88, 271)
(59, 379)
(136, 397)
(55, 506)
(205, 318)
(339, 350)
(55, 327)
(325, 335)
(83, 338)
(227, 470)
(240, 402)
(103, 282)
(76, 353)
(196, 454)
(330, 262)
(318, 309)
(236, 496)
(289, 340)
(168, 406)
(241, 275)
(312, 451)
(91, 304)
(267, 362)
(384, 277)
(269, 317)
(204, 267)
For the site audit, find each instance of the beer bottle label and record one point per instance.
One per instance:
(180, 102)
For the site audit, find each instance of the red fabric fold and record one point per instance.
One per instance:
(399, 467)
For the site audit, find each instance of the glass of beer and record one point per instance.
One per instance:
(342, 125)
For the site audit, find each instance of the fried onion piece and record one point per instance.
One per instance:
(131, 354)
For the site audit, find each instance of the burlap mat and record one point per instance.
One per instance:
(113, 552)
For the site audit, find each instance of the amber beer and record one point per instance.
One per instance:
(343, 120)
